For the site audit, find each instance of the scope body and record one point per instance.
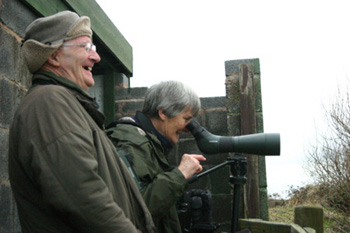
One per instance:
(259, 144)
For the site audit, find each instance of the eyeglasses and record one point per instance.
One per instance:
(87, 46)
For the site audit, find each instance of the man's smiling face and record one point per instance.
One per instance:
(76, 61)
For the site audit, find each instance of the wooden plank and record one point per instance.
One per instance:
(248, 126)
(106, 31)
(44, 9)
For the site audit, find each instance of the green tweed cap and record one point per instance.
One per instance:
(45, 35)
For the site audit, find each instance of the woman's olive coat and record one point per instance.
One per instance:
(65, 173)
(161, 183)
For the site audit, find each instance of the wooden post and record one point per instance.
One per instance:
(248, 126)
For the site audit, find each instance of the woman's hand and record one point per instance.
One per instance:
(190, 164)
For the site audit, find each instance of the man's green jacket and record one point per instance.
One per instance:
(65, 173)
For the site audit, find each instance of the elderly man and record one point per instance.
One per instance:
(64, 171)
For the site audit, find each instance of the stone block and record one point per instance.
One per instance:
(220, 181)
(214, 121)
(258, 225)
(309, 216)
(15, 15)
(201, 183)
(263, 200)
(10, 97)
(213, 102)
(127, 107)
(298, 229)
(233, 95)
(216, 159)
(259, 122)
(257, 90)
(122, 81)
(262, 172)
(12, 65)
(222, 208)
(8, 212)
(3, 154)
(234, 125)
(232, 66)
(188, 146)
(131, 93)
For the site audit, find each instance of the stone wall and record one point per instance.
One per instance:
(14, 82)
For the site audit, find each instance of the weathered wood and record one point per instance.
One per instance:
(248, 126)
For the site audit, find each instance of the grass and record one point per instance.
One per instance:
(283, 211)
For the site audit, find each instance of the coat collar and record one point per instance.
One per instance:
(147, 125)
(88, 102)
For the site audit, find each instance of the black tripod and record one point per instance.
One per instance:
(238, 167)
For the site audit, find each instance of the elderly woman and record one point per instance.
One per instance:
(146, 139)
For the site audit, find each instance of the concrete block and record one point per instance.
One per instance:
(15, 15)
(222, 208)
(188, 146)
(232, 66)
(262, 172)
(258, 226)
(127, 107)
(213, 102)
(220, 181)
(122, 80)
(12, 65)
(309, 216)
(257, 90)
(298, 229)
(214, 121)
(234, 124)
(264, 206)
(3, 154)
(259, 122)
(309, 230)
(131, 93)
(10, 97)
(8, 212)
(233, 95)
(201, 183)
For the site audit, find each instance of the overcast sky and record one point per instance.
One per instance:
(303, 48)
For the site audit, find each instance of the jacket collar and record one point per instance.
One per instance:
(88, 102)
(46, 77)
(147, 125)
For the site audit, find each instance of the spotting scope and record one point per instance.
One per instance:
(258, 144)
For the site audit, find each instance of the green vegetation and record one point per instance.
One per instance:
(335, 220)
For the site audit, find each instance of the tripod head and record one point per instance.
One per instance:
(259, 144)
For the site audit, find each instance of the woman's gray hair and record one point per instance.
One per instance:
(171, 96)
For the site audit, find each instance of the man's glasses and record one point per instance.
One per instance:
(87, 46)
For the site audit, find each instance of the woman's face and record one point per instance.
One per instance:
(175, 126)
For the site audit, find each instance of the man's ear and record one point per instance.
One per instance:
(161, 114)
(54, 60)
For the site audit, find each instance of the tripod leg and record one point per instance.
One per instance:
(235, 207)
